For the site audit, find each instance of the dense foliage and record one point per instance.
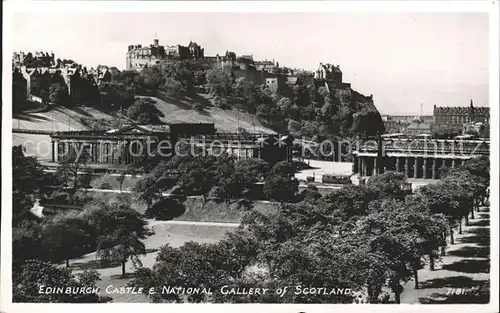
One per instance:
(315, 109)
(371, 238)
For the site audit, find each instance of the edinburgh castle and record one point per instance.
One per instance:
(263, 72)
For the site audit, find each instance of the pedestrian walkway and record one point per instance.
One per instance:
(463, 275)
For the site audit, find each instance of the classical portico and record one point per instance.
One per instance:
(123, 146)
(416, 158)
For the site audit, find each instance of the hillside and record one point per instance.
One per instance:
(64, 119)
(179, 111)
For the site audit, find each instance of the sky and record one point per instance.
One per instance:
(404, 59)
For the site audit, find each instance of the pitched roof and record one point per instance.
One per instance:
(419, 126)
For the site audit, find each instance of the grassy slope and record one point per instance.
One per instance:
(179, 110)
(63, 119)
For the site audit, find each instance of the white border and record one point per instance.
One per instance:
(10, 7)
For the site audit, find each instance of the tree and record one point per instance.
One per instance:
(283, 168)
(388, 185)
(153, 77)
(445, 199)
(479, 168)
(34, 274)
(117, 93)
(310, 194)
(121, 245)
(145, 190)
(368, 123)
(166, 209)
(65, 239)
(256, 168)
(446, 133)
(201, 265)
(346, 205)
(144, 111)
(393, 233)
(232, 181)
(120, 231)
(218, 82)
(199, 176)
(58, 94)
(280, 188)
(28, 182)
(173, 87)
(26, 237)
(71, 164)
(470, 190)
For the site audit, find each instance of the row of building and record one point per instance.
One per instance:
(34, 73)
(465, 119)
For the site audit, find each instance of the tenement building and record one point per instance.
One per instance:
(416, 158)
(456, 117)
(34, 74)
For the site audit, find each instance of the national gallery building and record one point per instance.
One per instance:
(121, 146)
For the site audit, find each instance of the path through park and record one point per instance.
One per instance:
(465, 266)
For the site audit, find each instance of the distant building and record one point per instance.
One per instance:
(329, 76)
(477, 129)
(418, 128)
(119, 147)
(266, 66)
(37, 59)
(329, 72)
(32, 81)
(139, 57)
(400, 123)
(456, 117)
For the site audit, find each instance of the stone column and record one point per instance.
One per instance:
(101, 152)
(433, 164)
(397, 165)
(53, 151)
(407, 167)
(364, 167)
(375, 166)
(66, 149)
(425, 169)
(453, 163)
(56, 151)
(415, 168)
